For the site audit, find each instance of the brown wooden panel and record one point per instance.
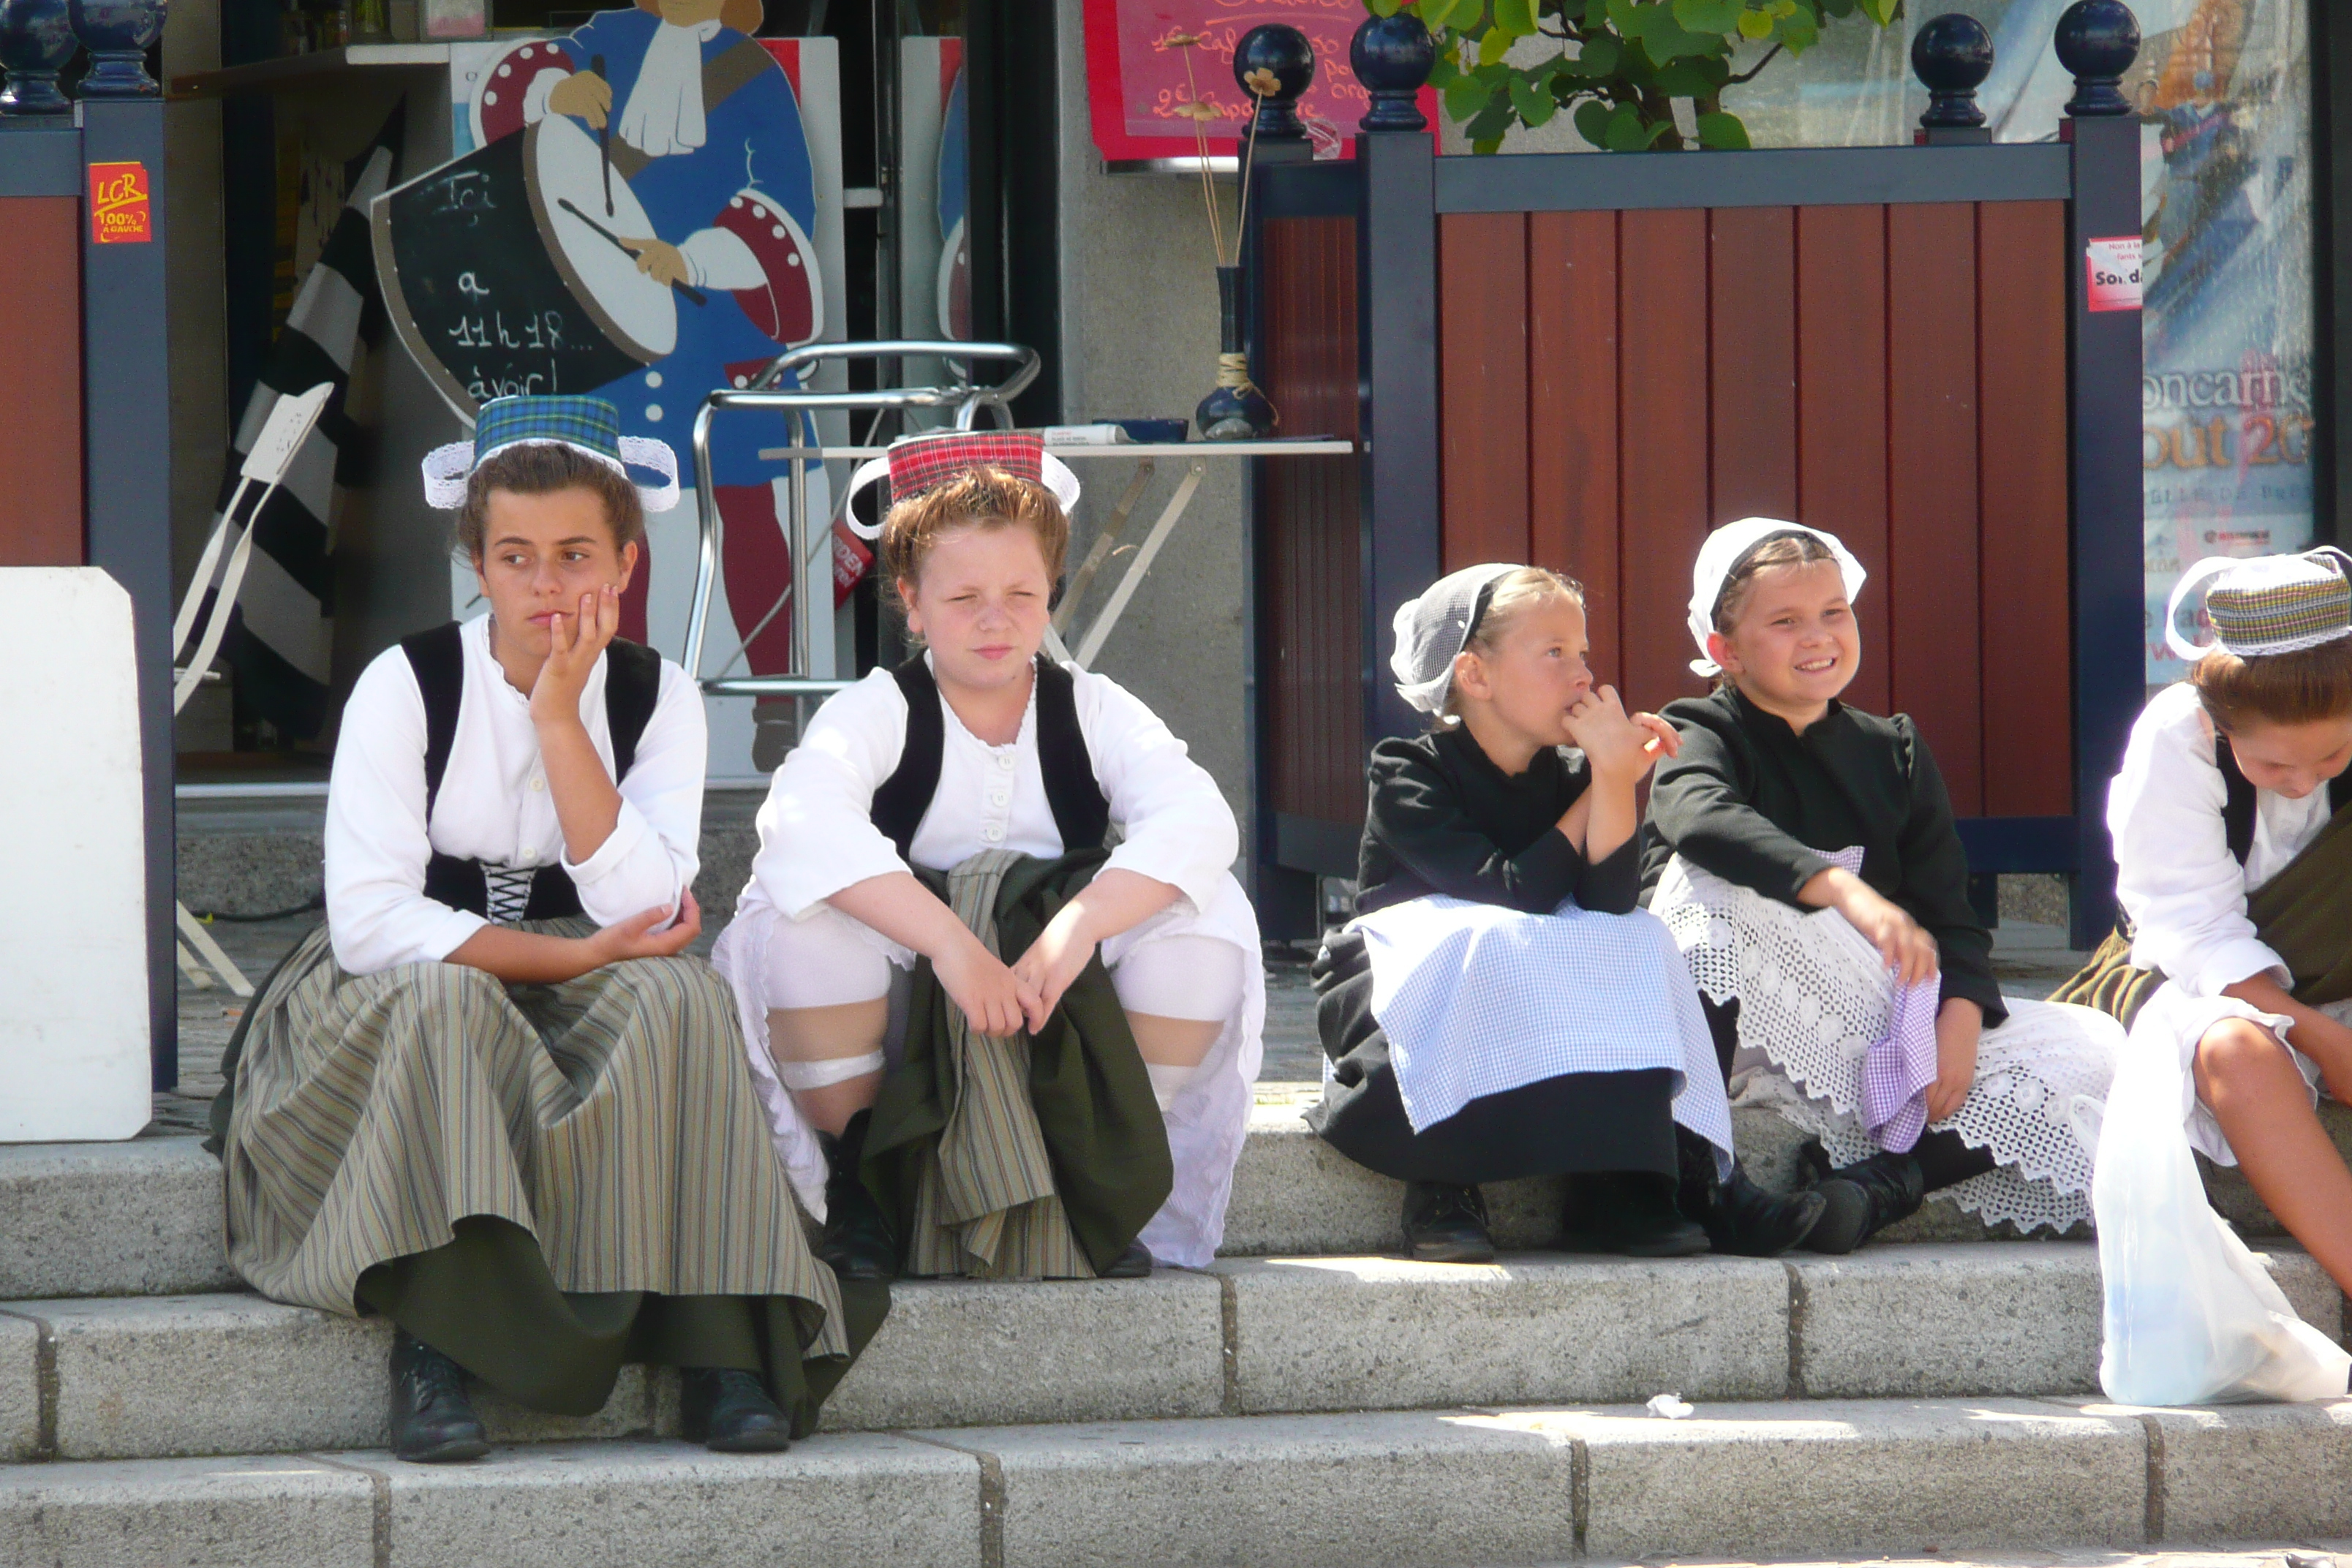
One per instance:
(1752, 326)
(1842, 409)
(1482, 331)
(1572, 415)
(1662, 444)
(1931, 430)
(1310, 518)
(40, 343)
(2028, 759)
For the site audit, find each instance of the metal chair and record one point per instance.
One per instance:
(965, 397)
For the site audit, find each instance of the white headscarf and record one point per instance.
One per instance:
(1723, 551)
(1433, 629)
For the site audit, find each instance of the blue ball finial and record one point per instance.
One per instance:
(1392, 56)
(1279, 52)
(2096, 42)
(1952, 56)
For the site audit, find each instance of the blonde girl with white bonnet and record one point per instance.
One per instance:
(1499, 1008)
(1805, 856)
(2232, 964)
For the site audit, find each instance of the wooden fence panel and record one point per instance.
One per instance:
(1482, 270)
(1752, 368)
(40, 342)
(1310, 673)
(2028, 735)
(1931, 439)
(1662, 442)
(1573, 416)
(1842, 410)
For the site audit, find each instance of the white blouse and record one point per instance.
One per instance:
(494, 807)
(2176, 877)
(817, 835)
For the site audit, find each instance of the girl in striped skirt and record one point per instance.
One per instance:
(490, 1098)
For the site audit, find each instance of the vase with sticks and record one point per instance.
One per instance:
(1272, 65)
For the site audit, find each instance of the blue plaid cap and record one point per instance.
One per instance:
(589, 423)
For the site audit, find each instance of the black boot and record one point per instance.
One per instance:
(1631, 1213)
(1135, 1263)
(1445, 1222)
(1740, 1218)
(433, 1422)
(858, 1242)
(728, 1412)
(1864, 1197)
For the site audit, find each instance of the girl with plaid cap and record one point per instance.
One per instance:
(1805, 855)
(1002, 992)
(492, 1098)
(2232, 964)
(1498, 1008)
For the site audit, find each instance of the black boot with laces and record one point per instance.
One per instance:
(1445, 1222)
(858, 1242)
(1863, 1199)
(433, 1422)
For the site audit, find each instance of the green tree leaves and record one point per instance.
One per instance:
(1618, 68)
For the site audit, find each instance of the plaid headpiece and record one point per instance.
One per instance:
(919, 463)
(589, 425)
(2266, 604)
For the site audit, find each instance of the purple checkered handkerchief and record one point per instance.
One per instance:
(1900, 1066)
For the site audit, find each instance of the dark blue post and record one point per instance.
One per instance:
(1396, 337)
(2097, 40)
(127, 448)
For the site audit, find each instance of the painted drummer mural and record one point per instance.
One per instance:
(636, 221)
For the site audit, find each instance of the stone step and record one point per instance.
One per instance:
(1442, 1488)
(145, 1378)
(144, 1218)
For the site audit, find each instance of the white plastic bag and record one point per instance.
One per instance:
(2191, 1316)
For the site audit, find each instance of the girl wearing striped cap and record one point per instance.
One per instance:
(1003, 991)
(2232, 963)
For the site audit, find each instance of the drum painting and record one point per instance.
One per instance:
(504, 271)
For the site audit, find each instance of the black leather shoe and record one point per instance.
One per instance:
(1445, 1222)
(857, 1243)
(433, 1422)
(1863, 1198)
(1631, 1214)
(1135, 1263)
(728, 1412)
(1740, 1217)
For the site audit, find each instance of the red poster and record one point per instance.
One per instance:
(1136, 85)
(119, 211)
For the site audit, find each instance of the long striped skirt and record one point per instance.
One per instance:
(543, 1181)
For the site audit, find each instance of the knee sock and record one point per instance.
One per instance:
(1946, 1160)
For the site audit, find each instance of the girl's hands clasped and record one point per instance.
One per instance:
(1618, 744)
(1054, 959)
(995, 999)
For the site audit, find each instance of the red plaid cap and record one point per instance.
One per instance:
(926, 462)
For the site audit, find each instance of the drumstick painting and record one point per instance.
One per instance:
(689, 290)
(604, 136)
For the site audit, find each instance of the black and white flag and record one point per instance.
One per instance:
(281, 632)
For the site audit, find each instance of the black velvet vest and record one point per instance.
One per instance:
(632, 687)
(1081, 815)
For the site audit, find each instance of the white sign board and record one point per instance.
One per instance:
(73, 883)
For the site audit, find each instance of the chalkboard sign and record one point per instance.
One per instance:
(503, 271)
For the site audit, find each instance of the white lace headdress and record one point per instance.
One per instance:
(1433, 629)
(1723, 552)
(2266, 603)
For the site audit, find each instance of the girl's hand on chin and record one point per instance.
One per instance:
(574, 642)
(1615, 744)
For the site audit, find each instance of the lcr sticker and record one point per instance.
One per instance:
(2114, 271)
(119, 212)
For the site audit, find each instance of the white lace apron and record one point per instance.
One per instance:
(1813, 994)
